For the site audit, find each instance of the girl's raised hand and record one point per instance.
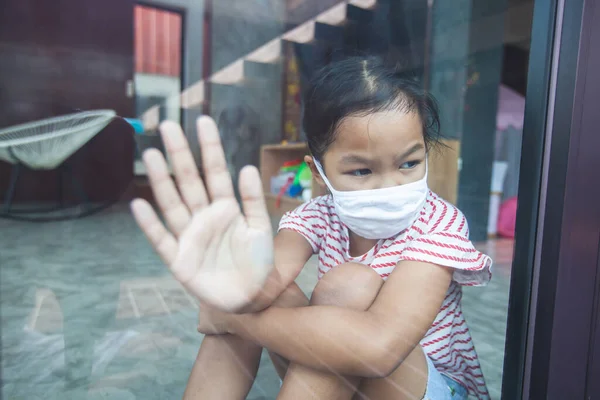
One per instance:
(219, 254)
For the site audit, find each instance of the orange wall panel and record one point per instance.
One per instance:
(157, 41)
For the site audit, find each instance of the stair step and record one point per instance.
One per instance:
(329, 33)
(312, 56)
(354, 13)
(306, 10)
(258, 70)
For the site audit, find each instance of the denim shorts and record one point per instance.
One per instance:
(441, 387)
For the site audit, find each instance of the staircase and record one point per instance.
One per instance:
(354, 27)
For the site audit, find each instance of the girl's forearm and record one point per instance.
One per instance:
(327, 338)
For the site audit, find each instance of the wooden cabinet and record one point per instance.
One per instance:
(272, 158)
(444, 170)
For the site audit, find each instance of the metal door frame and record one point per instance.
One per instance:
(555, 277)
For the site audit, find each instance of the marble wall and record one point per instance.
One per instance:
(448, 58)
(486, 43)
(248, 113)
(466, 64)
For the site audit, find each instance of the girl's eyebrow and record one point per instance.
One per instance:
(412, 150)
(354, 159)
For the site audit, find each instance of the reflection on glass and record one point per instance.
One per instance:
(157, 73)
(158, 35)
(88, 310)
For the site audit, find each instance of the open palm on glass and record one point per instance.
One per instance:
(219, 254)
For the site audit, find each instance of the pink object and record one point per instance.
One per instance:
(511, 109)
(507, 218)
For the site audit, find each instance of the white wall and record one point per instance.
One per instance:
(168, 87)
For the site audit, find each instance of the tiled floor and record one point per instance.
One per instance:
(89, 312)
(486, 310)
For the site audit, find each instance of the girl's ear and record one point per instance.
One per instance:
(310, 161)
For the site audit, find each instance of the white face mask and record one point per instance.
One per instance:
(379, 213)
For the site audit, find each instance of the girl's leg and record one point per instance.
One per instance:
(226, 365)
(408, 381)
(292, 297)
(354, 286)
(225, 368)
(349, 285)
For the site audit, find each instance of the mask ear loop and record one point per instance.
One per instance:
(322, 172)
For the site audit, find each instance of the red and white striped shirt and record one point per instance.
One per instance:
(439, 236)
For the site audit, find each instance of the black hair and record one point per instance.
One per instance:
(360, 86)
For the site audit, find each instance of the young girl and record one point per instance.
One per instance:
(384, 321)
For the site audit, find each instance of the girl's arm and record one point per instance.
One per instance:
(291, 252)
(369, 344)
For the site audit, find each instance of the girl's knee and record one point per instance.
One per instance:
(350, 285)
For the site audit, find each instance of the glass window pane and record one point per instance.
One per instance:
(332, 102)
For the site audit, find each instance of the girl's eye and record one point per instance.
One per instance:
(409, 165)
(360, 172)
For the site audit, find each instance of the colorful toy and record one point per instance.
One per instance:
(294, 180)
(304, 176)
(291, 166)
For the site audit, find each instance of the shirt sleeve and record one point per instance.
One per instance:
(309, 220)
(448, 245)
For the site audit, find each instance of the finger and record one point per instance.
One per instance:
(160, 238)
(253, 199)
(218, 179)
(186, 172)
(175, 212)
